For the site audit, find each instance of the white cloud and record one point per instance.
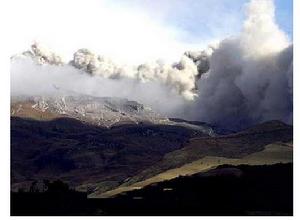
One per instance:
(127, 35)
(249, 80)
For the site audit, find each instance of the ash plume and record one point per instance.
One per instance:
(241, 81)
(180, 77)
(250, 76)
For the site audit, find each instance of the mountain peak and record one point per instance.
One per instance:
(104, 111)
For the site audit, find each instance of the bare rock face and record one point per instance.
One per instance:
(89, 142)
(99, 111)
(102, 111)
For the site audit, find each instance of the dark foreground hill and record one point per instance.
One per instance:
(226, 190)
(265, 143)
(105, 145)
(97, 159)
(84, 154)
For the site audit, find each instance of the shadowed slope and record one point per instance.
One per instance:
(86, 155)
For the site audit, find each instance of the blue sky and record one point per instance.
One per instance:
(207, 19)
(132, 31)
(284, 15)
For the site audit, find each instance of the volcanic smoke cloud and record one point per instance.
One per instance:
(239, 82)
(250, 76)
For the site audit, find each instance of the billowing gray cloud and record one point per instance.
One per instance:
(250, 76)
(180, 76)
(242, 80)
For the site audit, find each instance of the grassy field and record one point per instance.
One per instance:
(272, 154)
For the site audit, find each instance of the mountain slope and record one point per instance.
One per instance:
(235, 145)
(272, 154)
(261, 144)
(86, 155)
(225, 190)
(101, 144)
(102, 111)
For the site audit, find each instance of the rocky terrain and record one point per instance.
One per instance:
(101, 111)
(89, 142)
(105, 146)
